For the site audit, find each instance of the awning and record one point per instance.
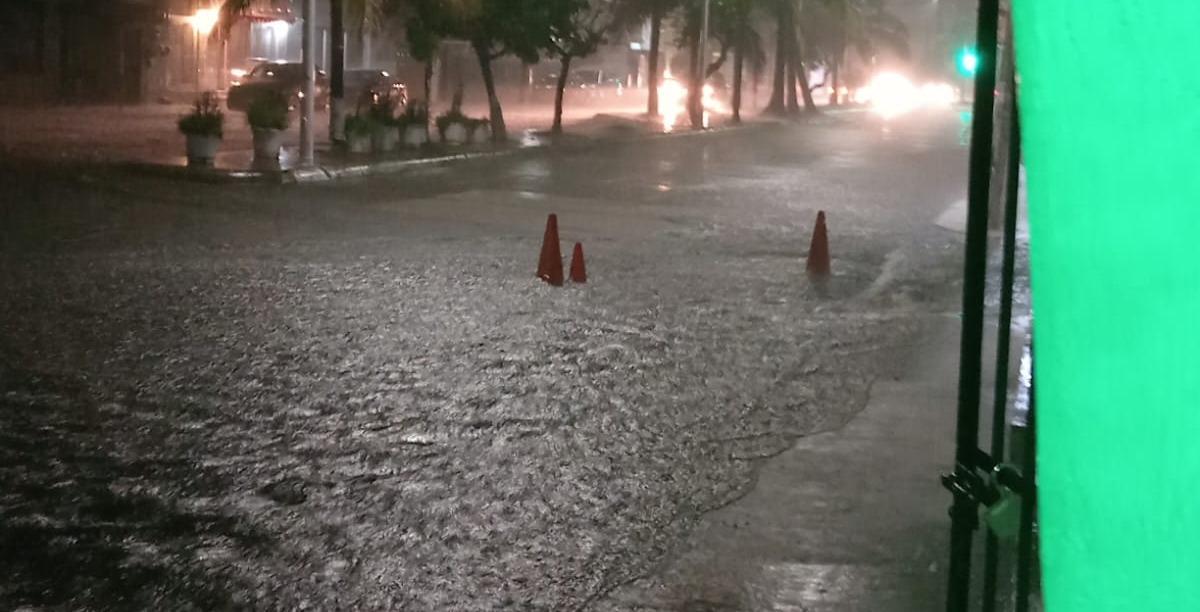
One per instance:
(270, 10)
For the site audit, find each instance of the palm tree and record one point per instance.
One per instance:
(831, 27)
(631, 12)
(781, 13)
(577, 30)
(747, 45)
(732, 29)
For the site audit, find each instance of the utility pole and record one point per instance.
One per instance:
(337, 72)
(704, 44)
(307, 157)
(696, 98)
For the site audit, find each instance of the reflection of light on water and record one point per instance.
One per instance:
(1024, 380)
(672, 102)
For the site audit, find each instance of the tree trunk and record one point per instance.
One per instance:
(802, 76)
(776, 105)
(429, 83)
(337, 72)
(793, 67)
(652, 64)
(805, 90)
(564, 71)
(793, 104)
(738, 62)
(496, 114)
(834, 68)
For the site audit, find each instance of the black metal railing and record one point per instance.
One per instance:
(979, 478)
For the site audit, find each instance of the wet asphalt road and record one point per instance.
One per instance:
(356, 395)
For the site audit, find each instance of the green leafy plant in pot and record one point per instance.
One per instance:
(204, 127)
(415, 124)
(479, 130)
(385, 134)
(268, 118)
(358, 133)
(456, 128)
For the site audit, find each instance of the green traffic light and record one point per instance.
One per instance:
(968, 61)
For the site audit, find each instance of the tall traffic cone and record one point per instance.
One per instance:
(550, 268)
(578, 268)
(818, 251)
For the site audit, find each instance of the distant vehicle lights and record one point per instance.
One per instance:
(891, 94)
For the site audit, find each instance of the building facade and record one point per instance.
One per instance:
(78, 50)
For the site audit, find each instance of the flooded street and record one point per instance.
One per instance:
(357, 395)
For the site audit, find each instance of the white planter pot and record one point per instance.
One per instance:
(416, 135)
(267, 143)
(456, 134)
(482, 134)
(385, 139)
(202, 150)
(358, 143)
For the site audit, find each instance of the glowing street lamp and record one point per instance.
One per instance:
(204, 20)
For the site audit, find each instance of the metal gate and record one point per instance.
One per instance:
(989, 480)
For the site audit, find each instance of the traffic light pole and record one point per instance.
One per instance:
(964, 510)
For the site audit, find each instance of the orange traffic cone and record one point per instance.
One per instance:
(578, 268)
(818, 251)
(550, 268)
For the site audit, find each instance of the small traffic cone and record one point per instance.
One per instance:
(818, 251)
(578, 268)
(550, 268)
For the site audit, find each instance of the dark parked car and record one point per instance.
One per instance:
(364, 86)
(590, 83)
(287, 78)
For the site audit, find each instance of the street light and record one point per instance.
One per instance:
(204, 20)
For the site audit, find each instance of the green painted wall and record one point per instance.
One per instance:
(1110, 104)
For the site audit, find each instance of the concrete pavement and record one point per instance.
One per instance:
(846, 520)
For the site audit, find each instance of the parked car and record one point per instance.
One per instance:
(237, 74)
(596, 80)
(286, 78)
(365, 86)
(362, 86)
(588, 83)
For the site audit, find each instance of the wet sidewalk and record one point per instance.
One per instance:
(334, 163)
(848, 520)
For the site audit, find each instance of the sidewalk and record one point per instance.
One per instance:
(847, 520)
(335, 164)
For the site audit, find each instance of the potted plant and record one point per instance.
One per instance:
(452, 124)
(358, 133)
(452, 127)
(415, 122)
(204, 127)
(478, 130)
(268, 117)
(385, 134)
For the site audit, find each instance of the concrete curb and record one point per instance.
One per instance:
(323, 174)
(200, 174)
